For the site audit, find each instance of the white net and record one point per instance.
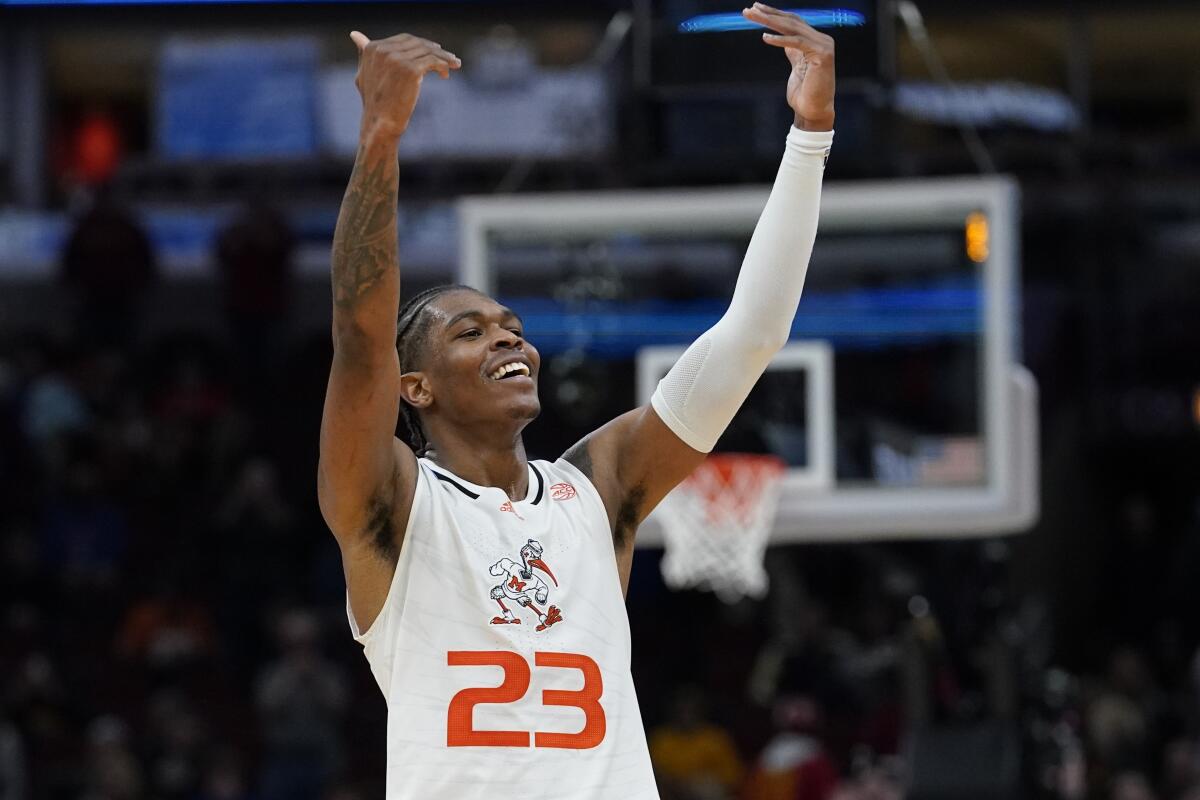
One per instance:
(716, 525)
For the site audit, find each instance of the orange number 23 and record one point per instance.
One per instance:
(460, 728)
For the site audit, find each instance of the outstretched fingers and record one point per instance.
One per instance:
(813, 52)
(780, 20)
(791, 31)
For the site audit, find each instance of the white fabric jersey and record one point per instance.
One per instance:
(503, 647)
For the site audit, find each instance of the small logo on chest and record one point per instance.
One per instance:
(508, 506)
(520, 584)
(562, 491)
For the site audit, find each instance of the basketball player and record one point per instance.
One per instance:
(487, 589)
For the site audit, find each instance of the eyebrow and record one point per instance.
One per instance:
(505, 313)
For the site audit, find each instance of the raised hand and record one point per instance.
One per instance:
(811, 85)
(389, 77)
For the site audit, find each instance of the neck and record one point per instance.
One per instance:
(483, 460)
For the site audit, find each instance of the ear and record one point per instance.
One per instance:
(415, 390)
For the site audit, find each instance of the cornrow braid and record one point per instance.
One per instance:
(412, 334)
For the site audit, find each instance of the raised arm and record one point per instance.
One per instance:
(640, 456)
(366, 476)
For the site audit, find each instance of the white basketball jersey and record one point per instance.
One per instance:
(503, 647)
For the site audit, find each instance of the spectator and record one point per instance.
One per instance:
(193, 394)
(694, 759)
(176, 743)
(794, 765)
(53, 406)
(930, 683)
(225, 780)
(110, 264)
(112, 772)
(167, 630)
(41, 709)
(254, 254)
(256, 521)
(1132, 786)
(872, 784)
(1181, 768)
(84, 533)
(13, 782)
(1120, 717)
(255, 501)
(301, 701)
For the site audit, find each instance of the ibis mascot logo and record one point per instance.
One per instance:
(523, 587)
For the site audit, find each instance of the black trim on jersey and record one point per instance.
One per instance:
(455, 484)
(475, 496)
(541, 484)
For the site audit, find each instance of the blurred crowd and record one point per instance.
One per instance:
(172, 610)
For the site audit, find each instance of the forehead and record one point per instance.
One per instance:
(447, 306)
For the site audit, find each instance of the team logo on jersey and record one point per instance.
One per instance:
(519, 584)
(562, 491)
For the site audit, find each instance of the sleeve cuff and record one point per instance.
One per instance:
(807, 147)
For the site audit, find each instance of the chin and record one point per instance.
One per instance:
(525, 406)
(526, 411)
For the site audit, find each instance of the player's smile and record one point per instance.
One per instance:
(516, 366)
(516, 371)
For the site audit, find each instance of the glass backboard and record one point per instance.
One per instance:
(907, 326)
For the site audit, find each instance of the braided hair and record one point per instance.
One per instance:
(412, 335)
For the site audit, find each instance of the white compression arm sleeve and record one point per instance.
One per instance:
(699, 396)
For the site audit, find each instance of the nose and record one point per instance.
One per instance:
(507, 340)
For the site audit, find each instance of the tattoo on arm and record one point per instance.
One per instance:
(364, 242)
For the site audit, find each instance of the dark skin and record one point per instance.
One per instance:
(367, 477)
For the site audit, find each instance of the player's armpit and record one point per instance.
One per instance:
(633, 461)
(368, 518)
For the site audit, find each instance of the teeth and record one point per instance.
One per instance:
(511, 367)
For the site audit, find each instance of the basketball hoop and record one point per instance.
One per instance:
(717, 522)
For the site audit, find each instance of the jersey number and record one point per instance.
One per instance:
(460, 728)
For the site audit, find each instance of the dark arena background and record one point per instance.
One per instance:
(985, 563)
